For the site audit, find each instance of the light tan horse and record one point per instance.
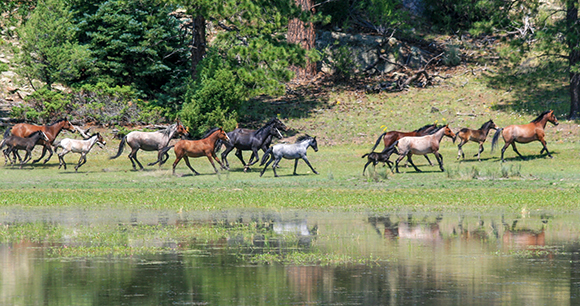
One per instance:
(407, 146)
(198, 148)
(525, 133)
(478, 136)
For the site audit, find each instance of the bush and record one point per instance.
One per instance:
(214, 99)
(99, 104)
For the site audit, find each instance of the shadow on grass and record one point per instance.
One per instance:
(536, 87)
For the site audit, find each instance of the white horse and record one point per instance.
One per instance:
(293, 151)
(149, 141)
(407, 146)
(78, 146)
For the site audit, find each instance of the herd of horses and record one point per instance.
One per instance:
(423, 141)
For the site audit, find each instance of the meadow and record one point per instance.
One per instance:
(346, 123)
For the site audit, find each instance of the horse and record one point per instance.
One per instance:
(78, 146)
(197, 148)
(466, 134)
(407, 146)
(51, 131)
(149, 141)
(390, 137)
(15, 143)
(375, 158)
(525, 133)
(289, 151)
(254, 140)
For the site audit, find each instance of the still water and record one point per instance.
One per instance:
(80, 257)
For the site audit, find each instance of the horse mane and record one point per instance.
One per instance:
(540, 117)
(271, 121)
(486, 125)
(423, 128)
(303, 138)
(167, 130)
(208, 133)
(58, 121)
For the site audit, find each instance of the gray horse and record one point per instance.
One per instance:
(149, 141)
(293, 151)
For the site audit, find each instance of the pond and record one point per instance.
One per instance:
(84, 257)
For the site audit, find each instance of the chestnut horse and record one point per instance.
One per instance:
(479, 136)
(51, 131)
(390, 137)
(198, 148)
(525, 133)
(407, 146)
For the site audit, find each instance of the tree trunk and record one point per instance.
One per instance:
(303, 34)
(198, 43)
(574, 57)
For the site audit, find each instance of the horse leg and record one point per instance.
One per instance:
(133, 158)
(225, 155)
(365, 168)
(275, 165)
(295, 165)
(177, 159)
(266, 166)
(460, 150)
(439, 160)
(308, 163)
(219, 162)
(516, 150)
(503, 150)
(41, 155)
(81, 162)
(190, 167)
(26, 158)
(410, 160)
(241, 157)
(427, 158)
(254, 154)
(61, 159)
(545, 148)
(49, 154)
(209, 157)
(479, 152)
(159, 158)
(399, 159)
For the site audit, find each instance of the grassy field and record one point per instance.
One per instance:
(346, 123)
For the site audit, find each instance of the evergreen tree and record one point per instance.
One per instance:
(49, 49)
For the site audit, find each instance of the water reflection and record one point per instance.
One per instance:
(166, 258)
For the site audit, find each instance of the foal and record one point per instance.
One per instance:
(78, 146)
(293, 151)
(479, 136)
(375, 158)
(15, 143)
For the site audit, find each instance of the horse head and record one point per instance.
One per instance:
(313, 143)
(100, 140)
(279, 124)
(180, 129)
(223, 135)
(68, 126)
(489, 125)
(552, 118)
(448, 132)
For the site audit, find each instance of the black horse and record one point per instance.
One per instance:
(254, 140)
(15, 143)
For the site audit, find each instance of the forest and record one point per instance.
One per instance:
(135, 62)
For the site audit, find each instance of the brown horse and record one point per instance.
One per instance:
(51, 131)
(479, 136)
(407, 146)
(390, 137)
(525, 133)
(197, 148)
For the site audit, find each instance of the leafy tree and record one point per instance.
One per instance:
(49, 49)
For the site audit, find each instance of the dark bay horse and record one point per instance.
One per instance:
(198, 148)
(525, 133)
(15, 143)
(479, 136)
(149, 141)
(51, 131)
(407, 146)
(252, 140)
(390, 137)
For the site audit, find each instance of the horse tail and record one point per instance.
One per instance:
(495, 138)
(378, 141)
(266, 156)
(164, 150)
(55, 146)
(121, 147)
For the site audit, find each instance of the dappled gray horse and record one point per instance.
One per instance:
(293, 151)
(78, 146)
(149, 141)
